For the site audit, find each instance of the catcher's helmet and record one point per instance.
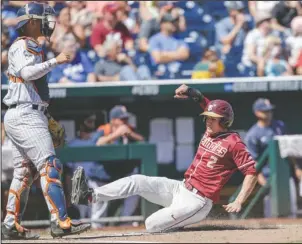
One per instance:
(220, 109)
(34, 10)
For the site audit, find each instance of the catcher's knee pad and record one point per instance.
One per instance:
(18, 194)
(53, 191)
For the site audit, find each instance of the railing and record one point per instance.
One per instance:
(278, 183)
(167, 87)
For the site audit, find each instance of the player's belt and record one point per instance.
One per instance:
(33, 106)
(15, 79)
(192, 189)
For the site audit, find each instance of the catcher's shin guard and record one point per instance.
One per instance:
(53, 192)
(18, 196)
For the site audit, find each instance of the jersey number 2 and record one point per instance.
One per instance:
(212, 161)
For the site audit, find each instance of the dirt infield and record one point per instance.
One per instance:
(223, 231)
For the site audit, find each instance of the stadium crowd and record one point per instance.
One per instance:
(132, 40)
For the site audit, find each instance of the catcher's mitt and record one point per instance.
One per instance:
(57, 132)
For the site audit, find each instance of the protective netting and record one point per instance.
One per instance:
(290, 146)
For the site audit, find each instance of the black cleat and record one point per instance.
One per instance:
(80, 193)
(75, 228)
(14, 234)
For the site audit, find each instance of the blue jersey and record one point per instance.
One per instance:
(257, 139)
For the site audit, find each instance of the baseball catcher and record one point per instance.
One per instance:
(32, 130)
(220, 153)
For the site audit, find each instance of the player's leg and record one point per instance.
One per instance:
(61, 224)
(187, 208)
(98, 209)
(158, 190)
(130, 203)
(24, 175)
(33, 135)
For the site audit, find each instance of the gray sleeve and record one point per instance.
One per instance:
(221, 30)
(99, 68)
(146, 28)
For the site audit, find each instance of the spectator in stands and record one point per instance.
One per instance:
(167, 7)
(284, 12)
(95, 172)
(119, 131)
(209, 67)
(151, 16)
(231, 32)
(80, 68)
(274, 63)
(261, 6)
(163, 47)
(9, 17)
(110, 28)
(118, 66)
(97, 7)
(254, 44)
(80, 15)
(14, 5)
(123, 16)
(298, 65)
(4, 54)
(257, 139)
(294, 41)
(65, 31)
(9, 13)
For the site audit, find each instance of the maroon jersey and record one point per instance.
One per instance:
(100, 33)
(217, 158)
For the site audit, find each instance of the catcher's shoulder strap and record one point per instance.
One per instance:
(106, 128)
(31, 45)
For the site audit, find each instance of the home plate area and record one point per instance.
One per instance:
(209, 231)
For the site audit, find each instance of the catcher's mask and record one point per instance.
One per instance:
(40, 11)
(220, 109)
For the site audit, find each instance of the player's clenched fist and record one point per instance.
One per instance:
(185, 92)
(180, 92)
(63, 57)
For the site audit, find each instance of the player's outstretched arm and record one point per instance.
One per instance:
(247, 187)
(186, 92)
(36, 71)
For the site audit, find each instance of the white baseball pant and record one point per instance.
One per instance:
(31, 147)
(181, 206)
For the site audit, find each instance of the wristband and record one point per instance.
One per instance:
(195, 94)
